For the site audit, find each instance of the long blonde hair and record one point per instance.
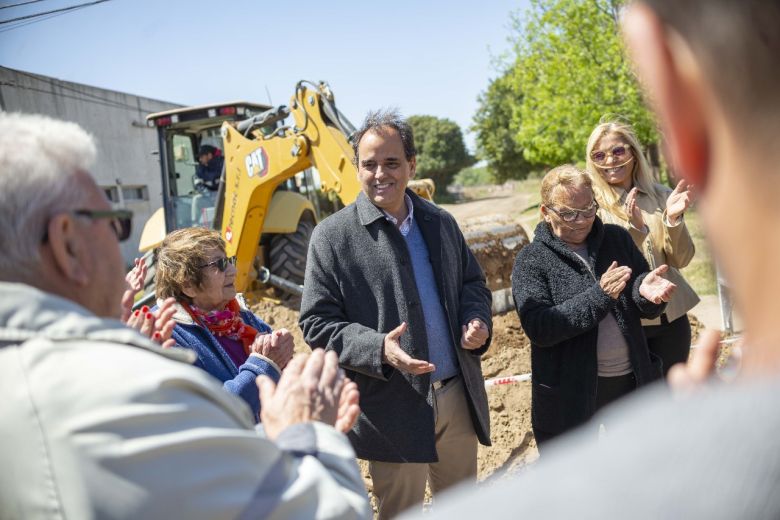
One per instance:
(641, 174)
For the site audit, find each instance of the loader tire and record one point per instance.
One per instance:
(288, 257)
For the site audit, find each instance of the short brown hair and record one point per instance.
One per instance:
(379, 121)
(566, 177)
(179, 260)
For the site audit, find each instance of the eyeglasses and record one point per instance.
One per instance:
(221, 264)
(121, 220)
(600, 156)
(570, 215)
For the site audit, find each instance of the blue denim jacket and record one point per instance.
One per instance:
(215, 360)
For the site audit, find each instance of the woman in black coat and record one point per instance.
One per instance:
(581, 289)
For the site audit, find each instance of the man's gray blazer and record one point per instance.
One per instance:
(359, 286)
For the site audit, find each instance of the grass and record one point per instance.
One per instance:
(700, 273)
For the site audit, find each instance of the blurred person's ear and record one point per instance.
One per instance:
(677, 89)
(67, 245)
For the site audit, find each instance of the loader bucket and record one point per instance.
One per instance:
(495, 241)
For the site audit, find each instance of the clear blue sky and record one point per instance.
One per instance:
(424, 57)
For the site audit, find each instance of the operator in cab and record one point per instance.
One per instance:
(209, 169)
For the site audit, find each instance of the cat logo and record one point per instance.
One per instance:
(257, 163)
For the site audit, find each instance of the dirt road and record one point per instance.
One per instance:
(502, 200)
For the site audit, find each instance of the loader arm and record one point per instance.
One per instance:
(328, 134)
(329, 149)
(256, 164)
(253, 170)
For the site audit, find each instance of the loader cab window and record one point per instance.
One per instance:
(184, 163)
(193, 203)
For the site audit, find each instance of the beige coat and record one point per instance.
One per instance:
(97, 422)
(662, 244)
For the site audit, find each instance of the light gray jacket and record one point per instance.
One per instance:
(99, 423)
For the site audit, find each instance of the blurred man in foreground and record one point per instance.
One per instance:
(712, 71)
(97, 421)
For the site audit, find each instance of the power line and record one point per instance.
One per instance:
(28, 22)
(20, 3)
(64, 9)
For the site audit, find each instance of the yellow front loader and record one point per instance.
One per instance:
(268, 199)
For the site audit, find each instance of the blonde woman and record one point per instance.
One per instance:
(653, 214)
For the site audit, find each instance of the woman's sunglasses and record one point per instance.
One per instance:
(221, 264)
(570, 215)
(617, 152)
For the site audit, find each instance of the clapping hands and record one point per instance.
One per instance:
(614, 279)
(475, 334)
(312, 388)
(278, 346)
(135, 284)
(158, 325)
(678, 201)
(655, 287)
(633, 211)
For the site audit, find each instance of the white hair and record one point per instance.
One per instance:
(39, 159)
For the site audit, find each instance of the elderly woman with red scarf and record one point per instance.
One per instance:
(232, 344)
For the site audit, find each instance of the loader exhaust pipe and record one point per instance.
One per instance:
(265, 276)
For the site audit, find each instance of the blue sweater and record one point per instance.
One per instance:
(215, 360)
(441, 351)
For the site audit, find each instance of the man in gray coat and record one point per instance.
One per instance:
(392, 287)
(98, 421)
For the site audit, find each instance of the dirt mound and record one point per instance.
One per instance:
(277, 316)
(495, 241)
(510, 405)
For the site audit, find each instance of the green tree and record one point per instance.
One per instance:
(474, 176)
(441, 152)
(496, 130)
(568, 73)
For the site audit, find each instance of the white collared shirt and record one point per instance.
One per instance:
(406, 225)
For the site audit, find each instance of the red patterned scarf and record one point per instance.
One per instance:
(227, 323)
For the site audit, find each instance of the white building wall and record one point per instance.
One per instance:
(127, 164)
